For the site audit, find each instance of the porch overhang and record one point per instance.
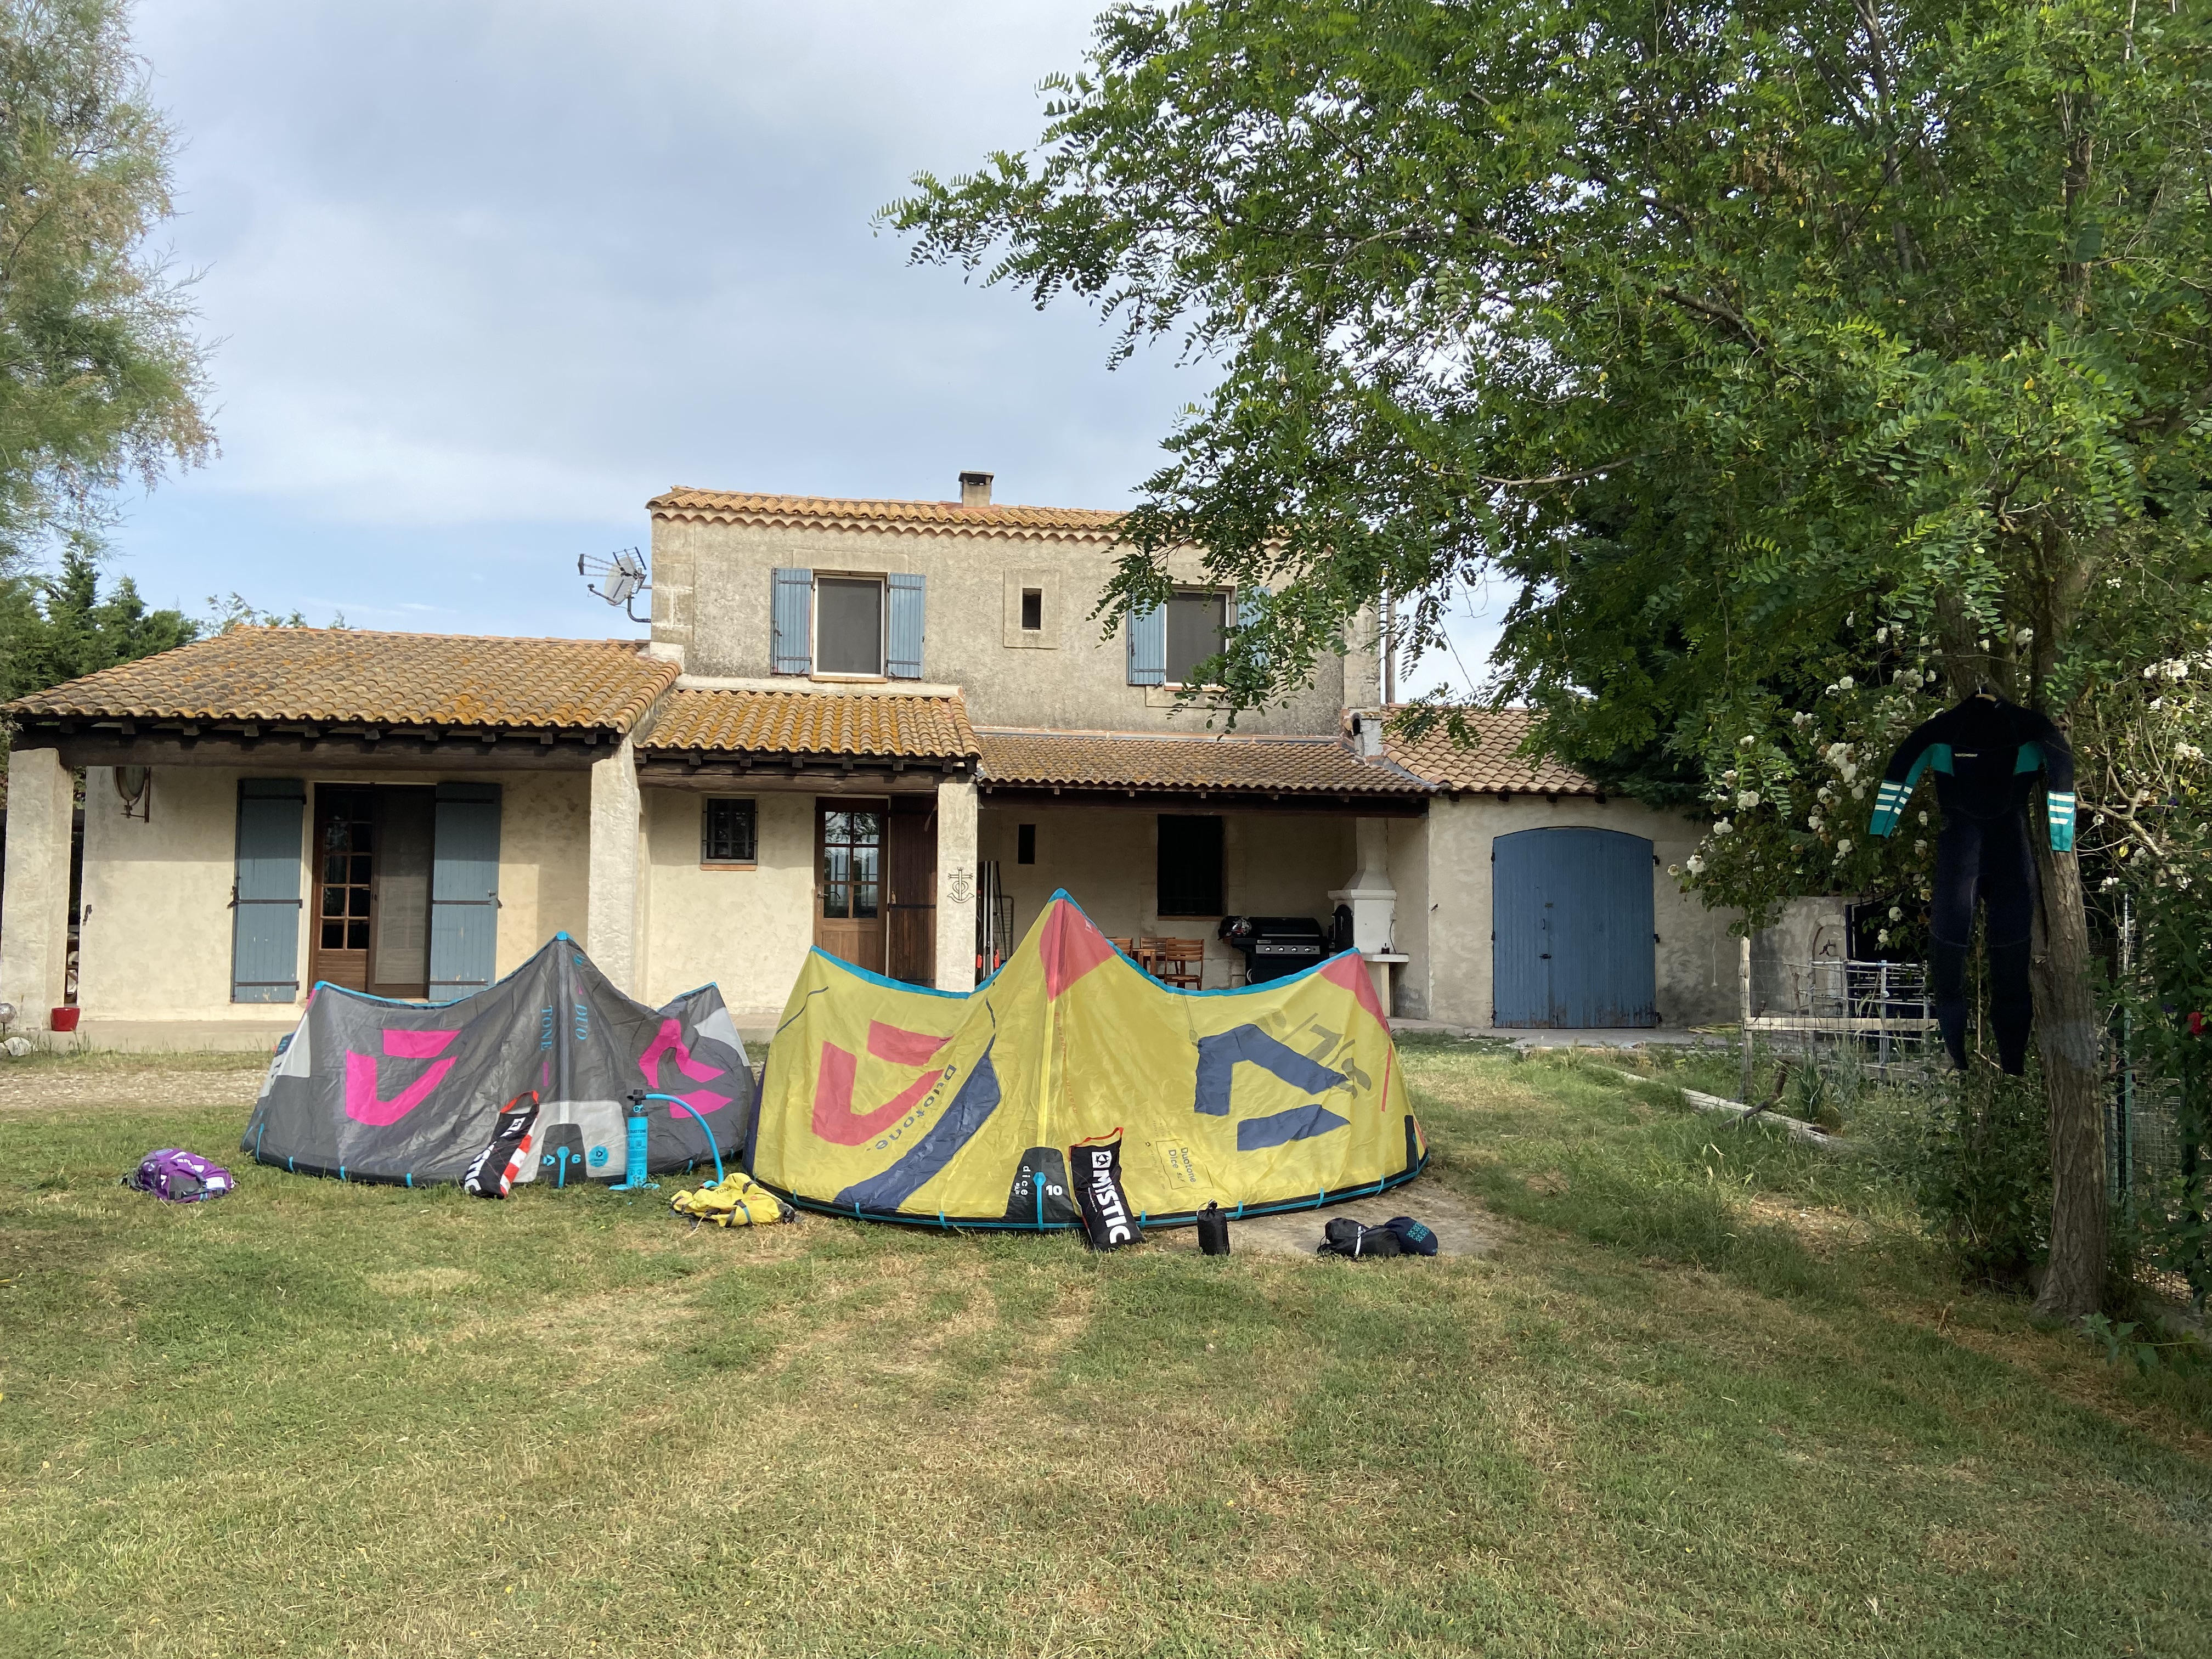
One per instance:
(1153, 772)
(252, 746)
(749, 740)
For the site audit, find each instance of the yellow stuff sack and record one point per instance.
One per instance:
(735, 1200)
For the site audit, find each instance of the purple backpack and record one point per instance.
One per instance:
(179, 1176)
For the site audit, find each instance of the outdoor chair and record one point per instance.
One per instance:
(1179, 961)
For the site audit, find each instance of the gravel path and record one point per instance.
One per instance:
(43, 1084)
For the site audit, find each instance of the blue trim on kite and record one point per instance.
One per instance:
(1285, 1206)
(874, 978)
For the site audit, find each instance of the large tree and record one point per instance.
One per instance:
(1774, 350)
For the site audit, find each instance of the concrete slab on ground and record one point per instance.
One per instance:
(1460, 1224)
(1524, 1038)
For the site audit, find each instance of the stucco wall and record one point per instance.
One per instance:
(1109, 860)
(156, 943)
(747, 930)
(1695, 958)
(711, 593)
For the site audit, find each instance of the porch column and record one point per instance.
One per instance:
(1374, 903)
(34, 914)
(611, 889)
(955, 884)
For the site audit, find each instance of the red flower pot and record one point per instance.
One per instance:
(64, 1019)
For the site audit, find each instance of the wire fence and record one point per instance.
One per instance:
(1835, 1013)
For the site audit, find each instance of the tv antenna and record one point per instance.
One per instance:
(622, 577)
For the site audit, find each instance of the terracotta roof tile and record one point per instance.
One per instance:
(1117, 760)
(923, 518)
(1494, 764)
(815, 723)
(359, 675)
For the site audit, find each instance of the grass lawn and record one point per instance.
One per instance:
(1712, 1394)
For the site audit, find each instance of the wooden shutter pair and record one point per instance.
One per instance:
(1147, 636)
(464, 890)
(790, 617)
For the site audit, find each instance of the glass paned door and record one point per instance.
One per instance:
(849, 886)
(345, 874)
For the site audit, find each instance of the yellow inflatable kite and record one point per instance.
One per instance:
(891, 1102)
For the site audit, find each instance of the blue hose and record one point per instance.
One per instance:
(674, 1101)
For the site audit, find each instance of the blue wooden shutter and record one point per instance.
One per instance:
(902, 635)
(1249, 602)
(464, 890)
(1148, 646)
(791, 613)
(265, 936)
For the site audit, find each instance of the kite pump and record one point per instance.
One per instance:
(635, 1176)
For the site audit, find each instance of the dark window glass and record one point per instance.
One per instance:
(852, 865)
(1190, 866)
(1032, 609)
(728, 837)
(348, 831)
(849, 625)
(1025, 843)
(1194, 634)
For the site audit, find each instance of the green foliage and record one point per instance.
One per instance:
(58, 628)
(1982, 1170)
(100, 377)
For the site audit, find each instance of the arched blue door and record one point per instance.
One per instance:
(1571, 919)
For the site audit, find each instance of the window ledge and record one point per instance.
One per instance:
(850, 679)
(705, 864)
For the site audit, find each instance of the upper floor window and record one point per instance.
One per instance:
(1197, 627)
(847, 625)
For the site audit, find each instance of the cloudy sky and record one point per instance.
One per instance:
(487, 274)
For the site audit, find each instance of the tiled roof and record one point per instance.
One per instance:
(357, 676)
(814, 723)
(1120, 760)
(1492, 764)
(922, 517)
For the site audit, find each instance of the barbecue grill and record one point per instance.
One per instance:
(1275, 946)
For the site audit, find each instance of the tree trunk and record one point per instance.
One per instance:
(2069, 1037)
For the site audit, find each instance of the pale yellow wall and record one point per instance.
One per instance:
(1409, 874)
(711, 596)
(157, 942)
(748, 931)
(1695, 958)
(1108, 861)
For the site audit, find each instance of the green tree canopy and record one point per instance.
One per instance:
(100, 377)
(1758, 343)
(60, 628)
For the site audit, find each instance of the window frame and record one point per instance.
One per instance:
(1029, 594)
(707, 805)
(881, 580)
(1025, 840)
(1219, 889)
(1220, 596)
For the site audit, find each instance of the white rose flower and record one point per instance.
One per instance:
(1846, 683)
(1881, 636)
(1674, 869)
(1696, 866)
(1801, 719)
(1895, 914)
(1843, 847)
(1882, 938)
(2187, 751)
(1729, 775)
(1851, 771)
(1746, 743)
(1747, 799)
(2023, 636)
(1724, 828)
(1814, 822)
(1919, 846)
(1924, 818)
(2109, 882)
(1858, 792)
(2158, 702)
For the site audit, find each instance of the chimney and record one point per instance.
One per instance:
(975, 490)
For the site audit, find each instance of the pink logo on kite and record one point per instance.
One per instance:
(1072, 947)
(671, 1040)
(363, 1106)
(835, 1120)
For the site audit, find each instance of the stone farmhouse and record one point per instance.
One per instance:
(887, 729)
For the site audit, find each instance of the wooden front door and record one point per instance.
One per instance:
(849, 888)
(345, 876)
(910, 889)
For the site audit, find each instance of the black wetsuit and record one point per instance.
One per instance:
(1989, 756)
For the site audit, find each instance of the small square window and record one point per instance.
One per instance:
(729, 833)
(1032, 609)
(1025, 843)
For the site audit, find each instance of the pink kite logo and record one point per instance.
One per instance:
(671, 1040)
(363, 1104)
(834, 1119)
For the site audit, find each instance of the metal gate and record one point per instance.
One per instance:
(1571, 933)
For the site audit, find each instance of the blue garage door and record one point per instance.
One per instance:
(1572, 940)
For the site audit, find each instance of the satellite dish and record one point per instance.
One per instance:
(620, 578)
